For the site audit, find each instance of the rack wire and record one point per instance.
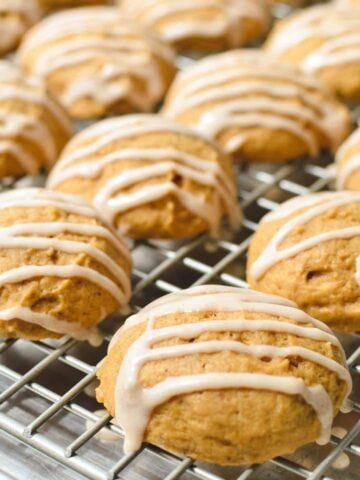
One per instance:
(42, 384)
(48, 416)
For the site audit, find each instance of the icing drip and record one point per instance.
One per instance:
(17, 125)
(40, 236)
(244, 90)
(112, 198)
(134, 403)
(337, 28)
(227, 17)
(352, 163)
(75, 38)
(23, 13)
(320, 204)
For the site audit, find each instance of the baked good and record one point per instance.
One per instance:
(348, 163)
(148, 177)
(16, 16)
(33, 127)
(96, 62)
(324, 41)
(202, 26)
(347, 3)
(61, 270)
(308, 251)
(256, 108)
(50, 4)
(244, 376)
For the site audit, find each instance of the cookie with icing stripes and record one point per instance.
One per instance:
(33, 126)
(308, 250)
(243, 376)
(148, 177)
(348, 163)
(323, 41)
(97, 63)
(204, 25)
(61, 270)
(256, 108)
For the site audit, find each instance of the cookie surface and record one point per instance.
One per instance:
(33, 127)
(49, 4)
(205, 26)
(244, 376)
(16, 16)
(324, 41)
(148, 177)
(348, 163)
(97, 63)
(256, 108)
(61, 270)
(308, 251)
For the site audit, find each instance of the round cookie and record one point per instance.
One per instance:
(148, 177)
(61, 270)
(16, 16)
(244, 376)
(205, 26)
(308, 250)
(256, 108)
(33, 127)
(348, 163)
(96, 62)
(324, 41)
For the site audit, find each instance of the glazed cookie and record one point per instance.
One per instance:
(97, 63)
(256, 108)
(33, 127)
(322, 40)
(308, 250)
(16, 16)
(61, 270)
(148, 177)
(205, 26)
(244, 376)
(348, 163)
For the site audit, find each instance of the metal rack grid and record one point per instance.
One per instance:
(43, 404)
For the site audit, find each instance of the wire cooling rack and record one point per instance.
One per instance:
(46, 387)
(49, 426)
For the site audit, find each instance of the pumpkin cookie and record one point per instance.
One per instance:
(61, 270)
(148, 177)
(244, 376)
(348, 163)
(308, 251)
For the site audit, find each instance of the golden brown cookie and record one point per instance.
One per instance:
(308, 250)
(16, 16)
(206, 26)
(241, 375)
(61, 270)
(324, 41)
(348, 163)
(96, 62)
(148, 177)
(33, 127)
(256, 108)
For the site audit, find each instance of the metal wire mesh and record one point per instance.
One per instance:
(43, 403)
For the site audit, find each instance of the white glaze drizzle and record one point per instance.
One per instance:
(338, 28)
(39, 236)
(16, 125)
(240, 89)
(77, 38)
(320, 204)
(11, 27)
(352, 163)
(110, 198)
(227, 17)
(134, 403)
